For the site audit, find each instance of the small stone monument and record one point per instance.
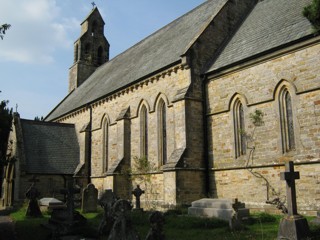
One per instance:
(89, 199)
(230, 210)
(137, 192)
(293, 226)
(156, 231)
(32, 194)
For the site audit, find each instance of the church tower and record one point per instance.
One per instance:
(90, 50)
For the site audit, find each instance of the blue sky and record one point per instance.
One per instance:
(37, 51)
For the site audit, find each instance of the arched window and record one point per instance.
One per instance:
(286, 120)
(162, 121)
(100, 55)
(239, 129)
(143, 132)
(76, 53)
(105, 146)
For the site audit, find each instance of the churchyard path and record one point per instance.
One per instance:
(6, 227)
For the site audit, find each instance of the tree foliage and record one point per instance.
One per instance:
(312, 13)
(39, 119)
(5, 126)
(3, 29)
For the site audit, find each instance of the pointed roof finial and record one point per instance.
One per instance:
(93, 5)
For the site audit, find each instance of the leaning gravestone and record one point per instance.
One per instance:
(89, 199)
(293, 226)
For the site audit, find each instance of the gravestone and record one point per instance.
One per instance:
(137, 192)
(122, 228)
(106, 201)
(32, 194)
(293, 226)
(156, 231)
(89, 199)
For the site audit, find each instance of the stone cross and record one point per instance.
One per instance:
(292, 226)
(70, 191)
(137, 192)
(33, 209)
(34, 179)
(290, 176)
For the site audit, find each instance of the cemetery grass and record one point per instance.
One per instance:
(178, 226)
(32, 228)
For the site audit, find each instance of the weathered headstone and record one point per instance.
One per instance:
(156, 231)
(106, 201)
(293, 226)
(89, 199)
(122, 228)
(33, 194)
(137, 192)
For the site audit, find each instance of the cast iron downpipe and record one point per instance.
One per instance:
(89, 143)
(205, 135)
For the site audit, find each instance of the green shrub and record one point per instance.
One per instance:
(312, 13)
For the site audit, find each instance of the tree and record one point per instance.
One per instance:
(3, 29)
(5, 128)
(38, 118)
(312, 13)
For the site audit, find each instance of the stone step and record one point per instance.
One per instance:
(213, 203)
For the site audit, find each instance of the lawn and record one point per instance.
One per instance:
(177, 226)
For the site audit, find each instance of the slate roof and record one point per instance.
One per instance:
(50, 148)
(152, 54)
(271, 24)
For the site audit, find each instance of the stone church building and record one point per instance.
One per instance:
(211, 105)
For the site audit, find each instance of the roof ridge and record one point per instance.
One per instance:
(47, 123)
(154, 33)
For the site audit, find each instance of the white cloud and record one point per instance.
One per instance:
(38, 30)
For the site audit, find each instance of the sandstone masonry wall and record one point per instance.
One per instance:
(258, 87)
